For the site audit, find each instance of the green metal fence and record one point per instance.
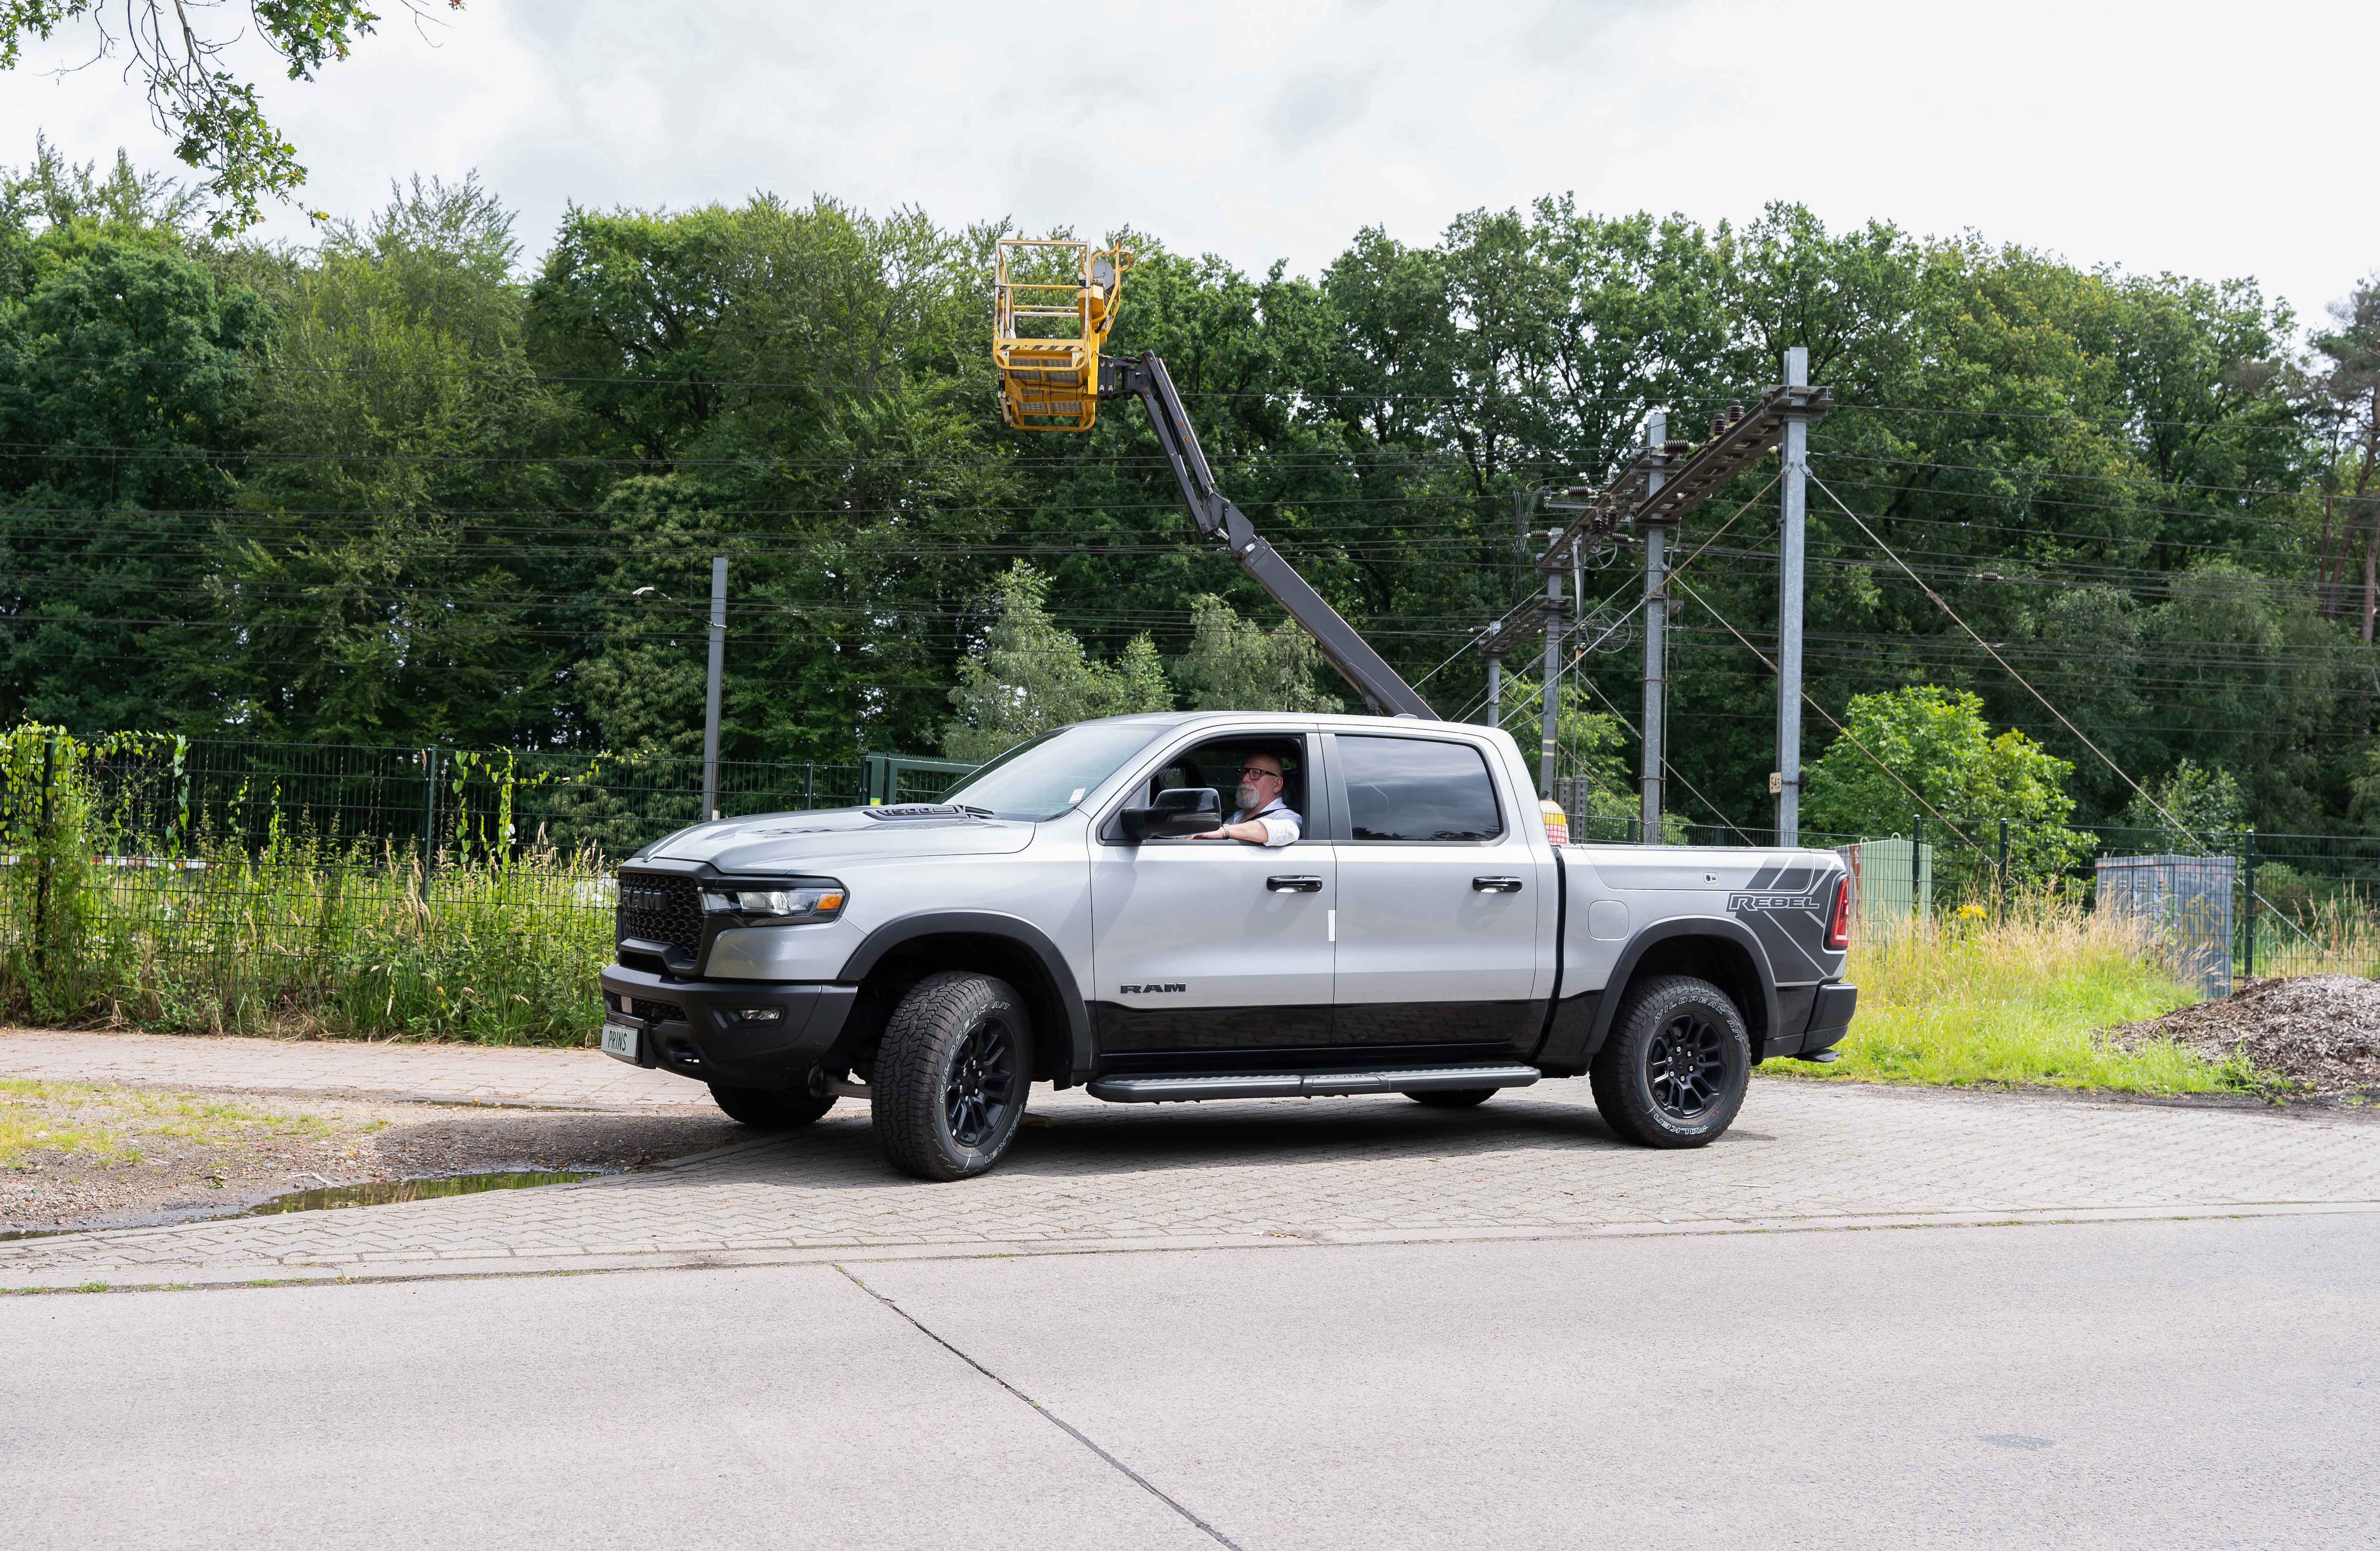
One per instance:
(466, 892)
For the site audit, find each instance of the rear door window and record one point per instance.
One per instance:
(1413, 788)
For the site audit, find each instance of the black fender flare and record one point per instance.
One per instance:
(1735, 932)
(905, 929)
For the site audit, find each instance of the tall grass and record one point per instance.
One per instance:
(105, 922)
(2016, 995)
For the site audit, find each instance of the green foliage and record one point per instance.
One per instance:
(1935, 742)
(218, 125)
(1238, 664)
(2021, 996)
(1032, 676)
(2194, 809)
(402, 487)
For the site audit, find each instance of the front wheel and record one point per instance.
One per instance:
(764, 1110)
(1674, 1071)
(951, 1075)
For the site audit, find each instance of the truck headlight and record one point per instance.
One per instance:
(820, 899)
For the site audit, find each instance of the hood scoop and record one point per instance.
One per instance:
(912, 812)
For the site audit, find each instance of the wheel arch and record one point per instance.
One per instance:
(1710, 948)
(903, 951)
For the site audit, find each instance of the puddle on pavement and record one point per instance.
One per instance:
(384, 1193)
(376, 1192)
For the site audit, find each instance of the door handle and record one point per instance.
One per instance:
(1301, 884)
(1495, 885)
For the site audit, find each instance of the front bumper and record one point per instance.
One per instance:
(698, 1029)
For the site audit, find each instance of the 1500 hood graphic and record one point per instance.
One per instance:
(826, 838)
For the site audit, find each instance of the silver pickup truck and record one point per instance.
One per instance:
(1052, 919)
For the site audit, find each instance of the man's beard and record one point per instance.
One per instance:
(1247, 798)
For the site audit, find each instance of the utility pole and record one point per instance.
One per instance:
(1789, 609)
(710, 692)
(1492, 714)
(1550, 722)
(1657, 619)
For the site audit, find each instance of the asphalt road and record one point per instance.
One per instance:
(2140, 1383)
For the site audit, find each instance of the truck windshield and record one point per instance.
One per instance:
(1043, 778)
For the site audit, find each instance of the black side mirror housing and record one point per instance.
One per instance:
(1184, 811)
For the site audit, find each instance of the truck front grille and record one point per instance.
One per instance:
(661, 908)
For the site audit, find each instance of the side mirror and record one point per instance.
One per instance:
(1184, 811)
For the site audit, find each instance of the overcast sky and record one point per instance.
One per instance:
(2207, 140)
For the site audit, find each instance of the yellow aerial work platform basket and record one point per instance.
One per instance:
(1056, 300)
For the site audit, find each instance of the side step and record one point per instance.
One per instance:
(1193, 1086)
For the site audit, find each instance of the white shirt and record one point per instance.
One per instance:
(1282, 825)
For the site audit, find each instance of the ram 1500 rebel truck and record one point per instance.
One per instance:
(1052, 919)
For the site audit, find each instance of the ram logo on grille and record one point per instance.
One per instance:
(640, 898)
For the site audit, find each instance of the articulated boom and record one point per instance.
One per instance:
(1055, 302)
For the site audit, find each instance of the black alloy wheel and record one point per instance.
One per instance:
(1686, 1064)
(982, 1085)
(1674, 1069)
(951, 1075)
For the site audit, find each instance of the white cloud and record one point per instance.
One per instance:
(2203, 139)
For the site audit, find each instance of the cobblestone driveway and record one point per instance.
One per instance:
(1534, 1162)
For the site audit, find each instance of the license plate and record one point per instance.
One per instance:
(620, 1039)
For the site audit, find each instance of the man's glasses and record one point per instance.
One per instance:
(1249, 773)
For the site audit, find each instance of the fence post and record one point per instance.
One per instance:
(42, 873)
(2248, 847)
(1916, 844)
(2004, 867)
(431, 758)
(809, 787)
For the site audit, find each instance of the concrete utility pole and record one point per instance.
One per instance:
(710, 692)
(1549, 724)
(1493, 714)
(1657, 619)
(1790, 537)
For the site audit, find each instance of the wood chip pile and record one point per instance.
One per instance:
(2320, 1032)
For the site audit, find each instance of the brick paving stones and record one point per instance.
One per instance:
(349, 1068)
(1093, 1177)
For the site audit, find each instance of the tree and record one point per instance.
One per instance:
(1935, 741)
(2350, 389)
(1031, 675)
(2192, 808)
(125, 375)
(218, 126)
(1238, 664)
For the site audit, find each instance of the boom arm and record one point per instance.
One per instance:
(1383, 691)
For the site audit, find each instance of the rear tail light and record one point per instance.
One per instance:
(1838, 919)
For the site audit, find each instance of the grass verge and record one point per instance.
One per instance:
(2018, 998)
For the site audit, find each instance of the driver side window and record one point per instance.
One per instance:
(1217, 765)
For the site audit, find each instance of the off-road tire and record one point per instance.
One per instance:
(951, 1075)
(1451, 1098)
(1674, 1071)
(767, 1111)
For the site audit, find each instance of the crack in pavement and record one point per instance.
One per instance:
(1060, 1422)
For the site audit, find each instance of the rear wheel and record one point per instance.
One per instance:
(763, 1110)
(1674, 1071)
(1451, 1098)
(952, 1076)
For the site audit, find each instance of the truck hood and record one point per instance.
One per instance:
(827, 838)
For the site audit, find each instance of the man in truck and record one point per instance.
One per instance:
(1262, 819)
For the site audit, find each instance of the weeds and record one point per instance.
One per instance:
(2016, 995)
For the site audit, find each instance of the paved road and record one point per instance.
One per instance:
(1533, 1162)
(2165, 1384)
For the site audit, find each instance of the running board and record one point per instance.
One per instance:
(1307, 1084)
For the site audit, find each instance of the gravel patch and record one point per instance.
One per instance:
(2319, 1033)
(79, 1156)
